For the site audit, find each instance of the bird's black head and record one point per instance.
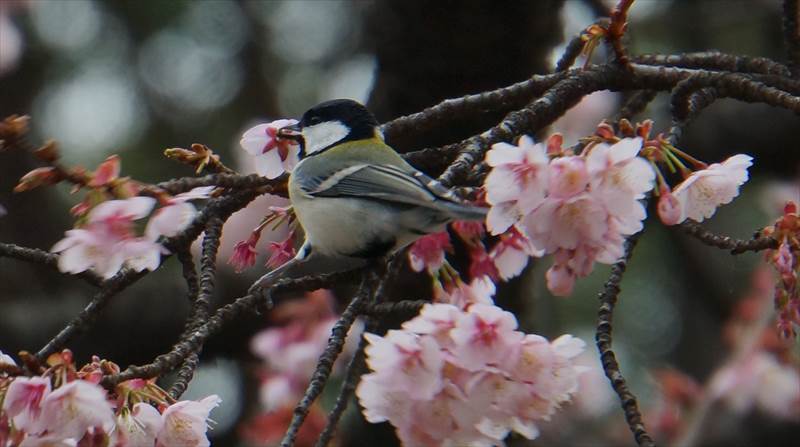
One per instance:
(334, 122)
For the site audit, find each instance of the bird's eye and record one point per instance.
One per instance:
(315, 120)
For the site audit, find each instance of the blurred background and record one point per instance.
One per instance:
(136, 77)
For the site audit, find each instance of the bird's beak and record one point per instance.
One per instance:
(293, 132)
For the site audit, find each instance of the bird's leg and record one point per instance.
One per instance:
(306, 263)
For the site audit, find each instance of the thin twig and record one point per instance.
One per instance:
(326, 360)
(202, 302)
(736, 246)
(351, 376)
(791, 34)
(36, 256)
(616, 31)
(608, 299)
(89, 314)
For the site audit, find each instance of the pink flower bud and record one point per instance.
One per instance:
(282, 252)
(107, 172)
(560, 281)
(428, 252)
(244, 253)
(669, 208)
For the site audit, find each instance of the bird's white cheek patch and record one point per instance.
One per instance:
(320, 136)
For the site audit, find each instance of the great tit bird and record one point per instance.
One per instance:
(354, 196)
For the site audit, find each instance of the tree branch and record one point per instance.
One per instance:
(736, 246)
(326, 360)
(608, 299)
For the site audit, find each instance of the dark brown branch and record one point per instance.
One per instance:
(232, 181)
(36, 256)
(245, 304)
(687, 100)
(326, 360)
(571, 53)
(616, 32)
(406, 307)
(89, 314)
(791, 35)
(202, 301)
(608, 299)
(502, 99)
(715, 61)
(636, 104)
(351, 377)
(554, 103)
(736, 246)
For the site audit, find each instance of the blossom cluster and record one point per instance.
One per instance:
(105, 238)
(70, 408)
(578, 208)
(581, 207)
(462, 374)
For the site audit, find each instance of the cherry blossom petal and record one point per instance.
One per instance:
(74, 408)
(137, 427)
(269, 165)
(23, 402)
(705, 190)
(133, 208)
(170, 220)
(255, 139)
(485, 335)
(185, 423)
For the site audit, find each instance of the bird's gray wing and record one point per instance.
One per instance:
(382, 182)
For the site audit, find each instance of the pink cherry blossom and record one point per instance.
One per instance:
(618, 174)
(567, 177)
(427, 252)
(566, 223)
(406, 362)
(462, 295)
(485, 335)
(48, 440)
(23, 402)
(6, 359)
(137, 427)
(560, 280)
(281, 252)
(381, 405)
(758, 380)
(71, 410)
(107, 241)
(176, 215)
(244, 254)
(436, 320)
(492, 379)
(294, 348)
(517, 184)
(106, 172)
(511, 253)
(185, 423)
(273, 155)
(469, 231)
(705, 190)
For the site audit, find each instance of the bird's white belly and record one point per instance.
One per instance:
(344, 225)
